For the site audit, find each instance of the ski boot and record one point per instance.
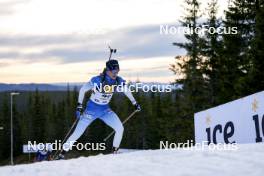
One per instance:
(61, 156)
(115, 150)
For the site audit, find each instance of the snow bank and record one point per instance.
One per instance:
(247, 160)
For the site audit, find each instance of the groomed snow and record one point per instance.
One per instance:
(248, 160)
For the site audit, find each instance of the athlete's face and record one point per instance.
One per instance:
(113, 73)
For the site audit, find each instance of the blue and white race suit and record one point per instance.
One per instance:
(98, 107)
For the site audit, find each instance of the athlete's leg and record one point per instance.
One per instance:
(84, 122)
(112, 120)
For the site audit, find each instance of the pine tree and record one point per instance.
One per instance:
(5, 135)
(16, 131)
(256, 75)
(237, 46)
(212, 51)
(38, 118)
(190, 66)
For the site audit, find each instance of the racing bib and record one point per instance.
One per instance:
(101, 98)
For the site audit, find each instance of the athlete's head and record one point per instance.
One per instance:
(112, 68)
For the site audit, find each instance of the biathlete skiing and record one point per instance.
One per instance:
(98, 105)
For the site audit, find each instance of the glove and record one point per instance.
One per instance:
(137, 107)
(79, 110)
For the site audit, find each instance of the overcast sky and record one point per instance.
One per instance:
(48, 41)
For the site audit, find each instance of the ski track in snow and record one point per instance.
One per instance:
(247, 160)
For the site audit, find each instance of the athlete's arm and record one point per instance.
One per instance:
(129, 95)
(85, 88)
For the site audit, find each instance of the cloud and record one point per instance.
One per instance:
(8, 7)
(132, 43)
(3, 64)
(37, 40)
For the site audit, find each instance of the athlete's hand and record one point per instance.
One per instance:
(79, 110)
(137, 107)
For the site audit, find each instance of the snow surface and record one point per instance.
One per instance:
(248, 160)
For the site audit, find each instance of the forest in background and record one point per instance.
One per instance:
(47, 116)
(217, 68)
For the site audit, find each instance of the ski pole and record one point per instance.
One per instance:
(131, 115)
(73, 125)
